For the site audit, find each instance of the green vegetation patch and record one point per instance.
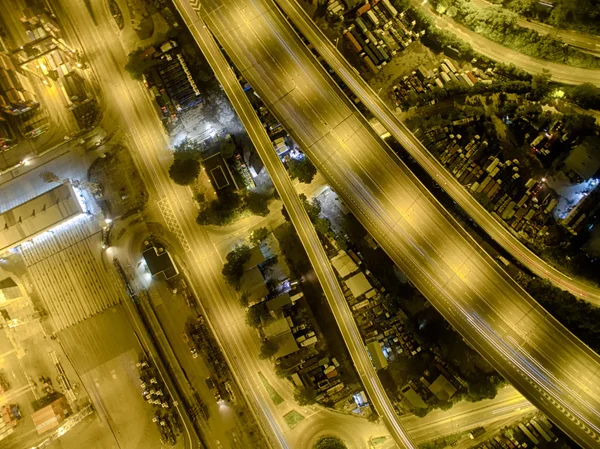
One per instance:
(293, 418)
(275, 397)
(377, 441)
(499, 25)
(330, 443)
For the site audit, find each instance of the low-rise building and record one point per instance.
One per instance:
(159, 262)
(52, 415)
(442, 388)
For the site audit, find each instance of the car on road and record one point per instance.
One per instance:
(190, 344)
(213, 388)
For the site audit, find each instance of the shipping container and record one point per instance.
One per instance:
(373, 18)
(353, 41)
(450, 65)
(387, 5)
(363, 9)
(370, 64)
(361, 25)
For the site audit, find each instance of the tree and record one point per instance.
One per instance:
(184, 172)
(222, 210)
(259, 234)
(485, 389)
(540, 85)
(585, 95)
(330, 442)
(188, 149)
(255, 313)
(268, 349)
(137, 65)
(233, 269)
(305, 396)
(258, 203)
(322, 226)
(281, 372)
(313, 208)
(579, 124)
(227, 149)
(302, 169)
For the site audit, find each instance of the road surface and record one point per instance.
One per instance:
(492, 226)
(299, 219)
(553, 369)
(587, 42)
(560, 72)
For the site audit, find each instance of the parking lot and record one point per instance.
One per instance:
(105, 350)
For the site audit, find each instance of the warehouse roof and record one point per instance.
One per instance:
(358, 284)
(442, 388)
(584, 159)
(377, 356)
(38, 215)
(343, 264)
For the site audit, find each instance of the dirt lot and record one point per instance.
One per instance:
(123, 191)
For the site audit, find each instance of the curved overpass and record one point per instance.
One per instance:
(541, 358)
(493, 227)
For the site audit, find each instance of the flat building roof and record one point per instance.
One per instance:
(38, 215)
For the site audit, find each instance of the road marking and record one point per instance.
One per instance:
(167, 212)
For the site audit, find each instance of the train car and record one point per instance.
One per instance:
(353, 41)
(388, 6)
(450, 65)
(363, 9)
(378, 56)
(370, 64)
(359, 39)
(384, 53)
(472, 77)
(361, 24)
(373, 18)
(370, 36)
(371, 55)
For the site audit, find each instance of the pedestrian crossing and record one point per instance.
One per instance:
(68, 272)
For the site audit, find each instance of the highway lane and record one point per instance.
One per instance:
(298, 216)
(539, 356)
(494, 227)
(507, 406)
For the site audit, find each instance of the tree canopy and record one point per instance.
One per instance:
(222, 210)
(579, 316)
(302, 169)
(585, 95)
(330, 442)
(259, 234)
(305, 396)
(234, 267)
(268, 349)
(184, 171)
(136, 66)
(255, 313)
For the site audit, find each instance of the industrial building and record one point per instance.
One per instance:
(38, 215)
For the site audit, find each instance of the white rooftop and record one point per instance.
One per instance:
(38, 215)
(343, 264)
(358, 284)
